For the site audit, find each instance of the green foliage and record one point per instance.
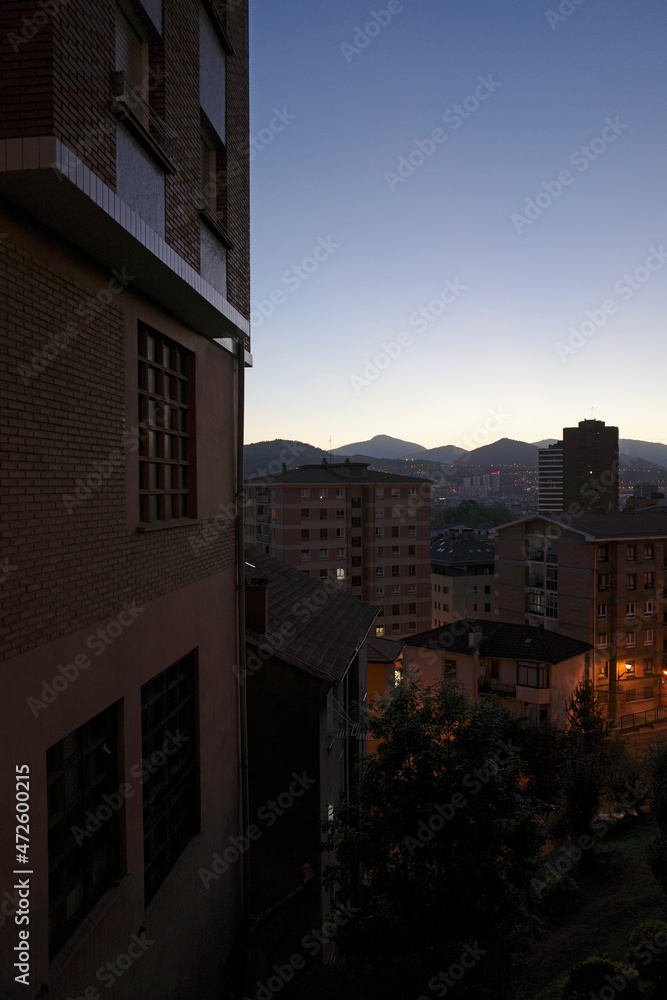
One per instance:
(438, 850)
(559, 895)
(586, 760)
(597, 973)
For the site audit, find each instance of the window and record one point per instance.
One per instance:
(340, 573)
(324, 553)
(305, 494)
(630, 609)
(79, 772)
(412, 609)
(395, 571)
(379, 532)
(649, 581)
(411, 491)
(379, 591)
(323, 514)
(379, 512)
(412, 589)
(166, 487)
(648, 637)
(450, 667)
(379, 630)
(324, 534)
(340, 553)
(532, 676)
(340, 532)
(602, 610)
(395, 493)
(395, 532)
(412, 626)
(305, 514)
(603, 581)
(603, 552)
(356, 581)
(324, 574)
(305, 555)
(536, 602)
(340, 494)
(648, 550)
(396, 627)
(630, 640)
(631, 553)
(380, 550)
(395, 551)
(487, 607)
(552, 577)
(379, 492)
(396, 591)
(445, 607)
(632, 581)
(131, 55)
(629, 667)
(305, 535)
(648, 609)
(356, 561)
(355, 502)
(445, 590)
(494, 672)
(412, 570)
(648, 667)
(340, 514)
(323, 494)
(171, 792)
(487, 590)
(603, 669)
(602, 640)
(379, 571)
(396, 609)
(356, 543)
(551, 608)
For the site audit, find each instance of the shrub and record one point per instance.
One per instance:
(559, 894)
(648, 950)
(598, 973)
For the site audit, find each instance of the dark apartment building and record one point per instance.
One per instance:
(124, 254)
(367, 531)
(462, 581)
(599, 578)
(581, 471)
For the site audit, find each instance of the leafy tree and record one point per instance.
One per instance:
(587, 754)
(437, 849)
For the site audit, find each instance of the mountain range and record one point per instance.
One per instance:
(267, 456)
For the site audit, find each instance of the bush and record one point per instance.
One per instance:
(589, 978)
(559, 894)
(648, 950)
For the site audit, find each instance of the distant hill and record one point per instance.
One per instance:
(381, 446)
(545, 443)
(503, 452)
(445, 453)
(266, 457)
(400, 466)
(650, 450)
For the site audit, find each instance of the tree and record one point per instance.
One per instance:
(587, 753)
(437, 849)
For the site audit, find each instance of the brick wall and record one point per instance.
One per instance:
(64, 414)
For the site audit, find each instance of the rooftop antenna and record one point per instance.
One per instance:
(330, 448)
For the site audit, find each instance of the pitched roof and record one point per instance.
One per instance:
(648, 522)
(312, 624)
(466, 551)
(337, 473)
(502, 640)
(383, 650)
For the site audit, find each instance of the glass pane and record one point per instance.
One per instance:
(150, 348)
(152, 411)
(183, 449)
(168, 446)
(153, 476)
(168, 507)
(153, 509)
(152, 380)
(182, 420)
(181, 363)
(168, 416)
(181, 391)
(168, 477)
(166, 355)
(184, 505)
(183, 477)
(167, 387)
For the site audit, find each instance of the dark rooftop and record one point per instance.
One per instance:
(465, 551)
(338, 472)
(384, 650)
(325, 627)
(502, 640)
(646, 523)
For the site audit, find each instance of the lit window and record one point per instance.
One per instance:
(648, 666)
(379, 630)
(602, 640)
(340, 574)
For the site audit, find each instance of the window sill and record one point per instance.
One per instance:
(215, 226)
(123, 110)
(181, 522)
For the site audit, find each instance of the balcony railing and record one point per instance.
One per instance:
(263, 518)
(535, 580)
(487, 685)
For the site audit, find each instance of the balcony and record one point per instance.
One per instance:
(486, 685)
(535, 580)
(130, 106)
(263, 518)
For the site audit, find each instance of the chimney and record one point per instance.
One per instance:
(474, 636)
(257, 604)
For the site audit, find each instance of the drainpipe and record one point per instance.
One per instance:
(243, 701)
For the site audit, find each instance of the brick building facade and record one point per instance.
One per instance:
(124, 259)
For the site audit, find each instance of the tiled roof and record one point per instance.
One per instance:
(337, 473)
(383, 650)
(502, 640)
(312, 624)
(644, 523)
(467, 551)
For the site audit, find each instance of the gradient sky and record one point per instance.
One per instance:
(328, 174)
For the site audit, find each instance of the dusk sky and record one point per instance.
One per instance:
(538, 315)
